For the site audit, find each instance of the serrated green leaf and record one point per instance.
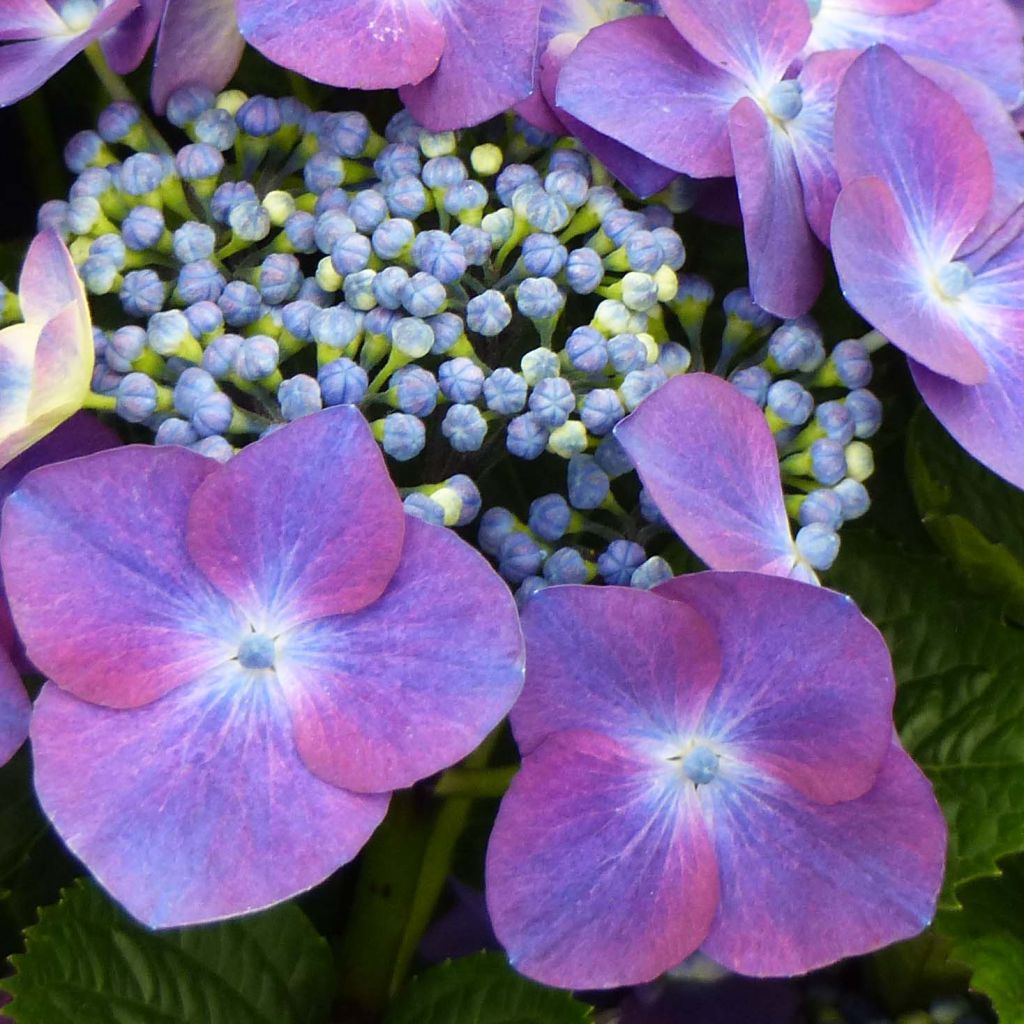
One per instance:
(87, 962)
(960, 702)
(483, 989)
(988, 937)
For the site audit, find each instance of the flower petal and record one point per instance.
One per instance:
(29, 19)
(125, 47)
(654, 83)
(356, 44)
(600, 871)
(488, 64)
(804, 885)
(755, 40)
(15, 710)
(883, 276)
(304, 523)
(895, 124)
(806, 688)
(103, 591)
(200, 44)
(49, 282)
(412, 683)
(614, 660)
(196, 807)
(786, 271)
(706, 455)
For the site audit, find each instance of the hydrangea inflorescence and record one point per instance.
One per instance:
(473, 299)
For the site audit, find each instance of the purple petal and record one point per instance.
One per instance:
(104, 594)
(708, 458)
(755, 40)
(356, 44)
(895, 124)
(600, 871)
(414, 682)
(887, 7)
(990, 51)
(658, 97)
(15, 710)
(804, 884)
(786, 270)
(302, 524)
(125, 47)
(614, 660)
(806, 688)
(488, 64)
(49, 282)
(200, 44)
(29, 19)
(883, 276)
(196, 807)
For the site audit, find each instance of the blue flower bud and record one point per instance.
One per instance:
(619, 561)
(860, 460)
(612, 457)
(797, 345)
(570, 160)
(391, 238)
(83, 213)
(423, 295)
(866, 410)
(167, 332)
(818, 545)
(401, 436)
(539, 298)
(828, 461)
(539, 363)
(310, 291)
(191, 388)
(104, 379)
(499, 226)
(552, 401)
(93, 181)
(601, 410)
(406, 196)
(673, 359)
(142, 293)
(852, 363)
(342, 382)
(175, 431)
(249, 220)
(332, 228)
(439, 255)
(323, 171)
(124, 347)
(619, 224)
(368, 209)
(587, 350)
(53, 214)
(836, 420)
(540, 209)
(465, 427)
(414, 390)
(569, 185)
(280, 277)
(512, 178)
(200, 281)
(672, 248)
(602, 199)
(381, 322)
(785, 99)
(300, 230)
(474, 242)
(448, 328)
(212, 414)
(588, 482)
(412, 336)
(403, 127)
(639, 384)
(186, 104)
(358, 289)
(336, 326)
(566, 565)
(82, 149)
(821, 506)
(505, 391)
(550, 517)
(397, 160)
(627, 352)
(753, 381)
(217, 128)
(465, 196)
(387, 287)
(421, 506)
(259, 116)
(257, 357)
(469, 497)
(519, 556)
(136, 397)
(643, 252)
(194, 241)
(227, 196)
(739, 304)
(444, 171)
(293, 111)
(240, 304)
(568, 440)
(854, 498)
(299, 396)
(461, 380)
(790, 402)
(651, 573)
(639, 291)
(345, 134)
(219, 355)
(198, 162)
(99, 274)
(351, 254)
(331, 199)
(543, 255)
(528, 588)
(488, 314)
(584, 271)
(495, 525)
(525, 436)
(204, 318)
(142, 173)
(214, 447)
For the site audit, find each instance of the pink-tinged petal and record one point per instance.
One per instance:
(304, 523)
(125, 47)
(200, 44)
(806, 688)
(15, 710)
(29, 19)
(895, 124)
(64, 362)
(755, 40)
(887, 7)
(536, 110)
(786, 267)
(104, 594)
(885, 278)
(804, 885)
(195, 807)
(413, 683)
(706, 455)
(658, 97)
(614, 660)
(810, 135)
(356, 44)
(488, 64)
(49, 282)
(600, 869)
(990, 51)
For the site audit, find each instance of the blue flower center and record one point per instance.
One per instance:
(954, 279)
(78, 15)
(257, 651)
(785, 100)
(814, 6)
(700, 765)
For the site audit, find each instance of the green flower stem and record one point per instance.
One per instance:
(101, 403)
(481, 783)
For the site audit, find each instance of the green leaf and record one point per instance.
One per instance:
(87, 961)
(988, 937)
(483, 989)
(960, 702)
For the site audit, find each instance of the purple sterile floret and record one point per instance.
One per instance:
(711, 764)
(245, 660)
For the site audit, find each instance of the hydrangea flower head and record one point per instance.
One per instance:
(245, 660)
(708, 765)
(928, 240)
(46, 362)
